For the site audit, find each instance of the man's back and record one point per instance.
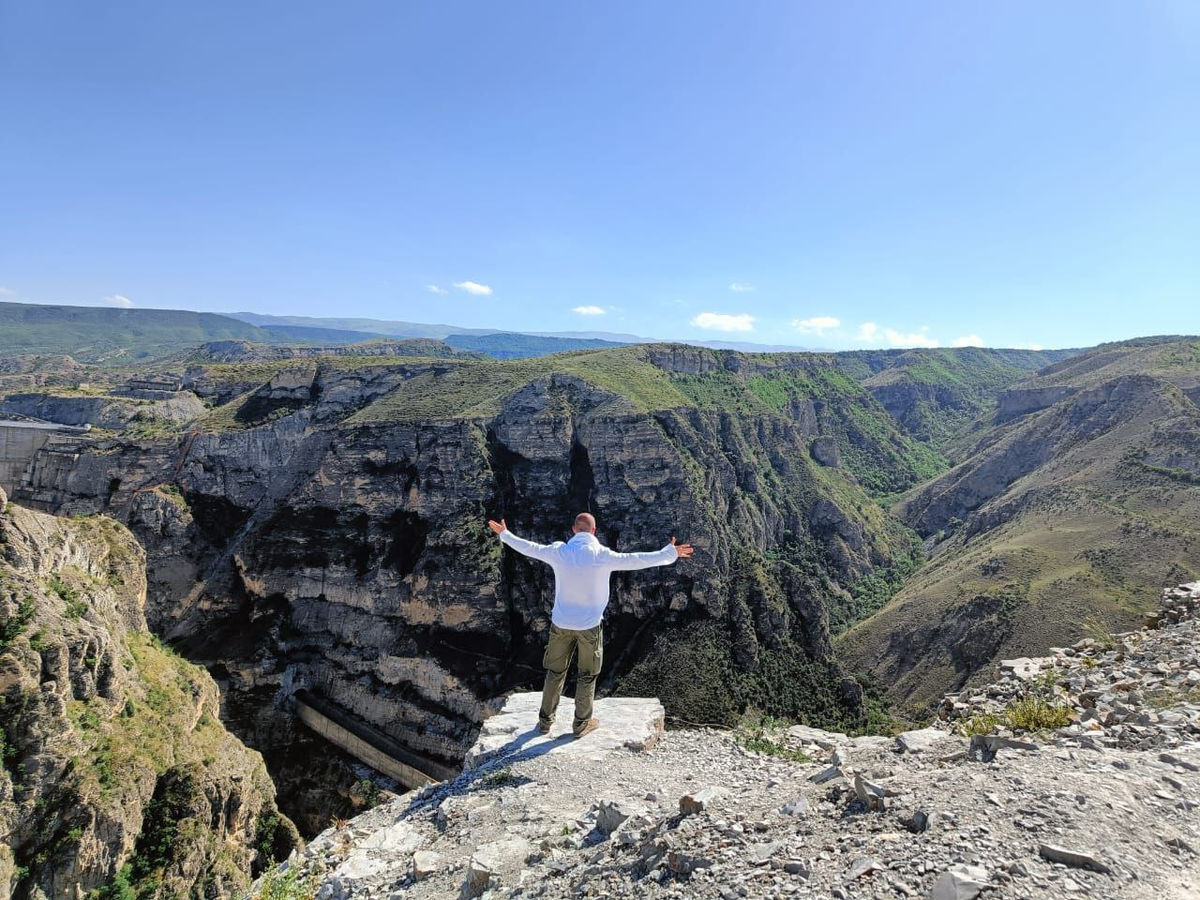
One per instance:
(581, 567)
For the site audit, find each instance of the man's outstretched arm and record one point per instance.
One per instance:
(543, 552)
(626, 562)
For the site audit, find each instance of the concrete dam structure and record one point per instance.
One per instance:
(20, 440)
(367, 744)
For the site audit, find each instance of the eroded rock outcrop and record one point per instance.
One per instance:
(116, 767)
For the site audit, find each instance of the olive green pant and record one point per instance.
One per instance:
(590, 648)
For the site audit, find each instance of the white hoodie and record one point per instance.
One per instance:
(581, 569)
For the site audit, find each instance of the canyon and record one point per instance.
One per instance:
(872, 529)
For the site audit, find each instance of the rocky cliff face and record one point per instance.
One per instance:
(325, 532)
(116, 767)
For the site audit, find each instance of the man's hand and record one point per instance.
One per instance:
(684, 550)
(498, 527)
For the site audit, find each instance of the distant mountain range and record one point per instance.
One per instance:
(121, 336)
(444, 332)
(393, 328)
(105, 336)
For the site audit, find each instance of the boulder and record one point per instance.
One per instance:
(960, 883)
(611, 814)
(685, 862)
(864, 865)
(984, 747)
(1022, 667)
(489, 860)
(826, 740)
(869, 793)
(425, 863)
(1080, 859)
(827, 775)
(924, 740)
(699, 801)
(798, 807)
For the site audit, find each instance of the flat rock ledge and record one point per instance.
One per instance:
(633, 723)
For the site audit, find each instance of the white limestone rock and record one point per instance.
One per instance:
(632, 723)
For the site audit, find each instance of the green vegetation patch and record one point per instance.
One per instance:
(477, 389)
(119, 747)
(872, 592)
(289, 884)
(1031, 713)
(766, 734)
(694, 673)
(13, 626)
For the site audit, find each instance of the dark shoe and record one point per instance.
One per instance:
(587, 728)
(543, 727)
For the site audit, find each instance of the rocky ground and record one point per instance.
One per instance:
(1106, 806)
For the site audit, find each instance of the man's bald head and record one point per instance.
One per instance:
(585, 522)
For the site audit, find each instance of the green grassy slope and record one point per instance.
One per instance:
(125, 336)
(936, 394)
(96, 334)
(1175, 359)
(1083, 509)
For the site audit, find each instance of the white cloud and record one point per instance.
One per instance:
(815, 325)
(1030, 347)
(117, 300)
(435, 289)
(871, 333)
(968, 340)
(7, 292)
(588, 310)
(473, 287)
(740, 287)
(724, 322)
(912, 339)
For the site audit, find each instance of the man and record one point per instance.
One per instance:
(581, 569)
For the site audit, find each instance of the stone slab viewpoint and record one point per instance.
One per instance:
(634, 723)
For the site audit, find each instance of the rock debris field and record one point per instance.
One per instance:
(1107, 805)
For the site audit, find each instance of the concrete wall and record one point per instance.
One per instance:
(18, 444)
(368, 745)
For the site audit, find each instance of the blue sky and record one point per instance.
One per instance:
(1023, 173)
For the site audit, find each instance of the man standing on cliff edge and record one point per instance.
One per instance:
(581, 569)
